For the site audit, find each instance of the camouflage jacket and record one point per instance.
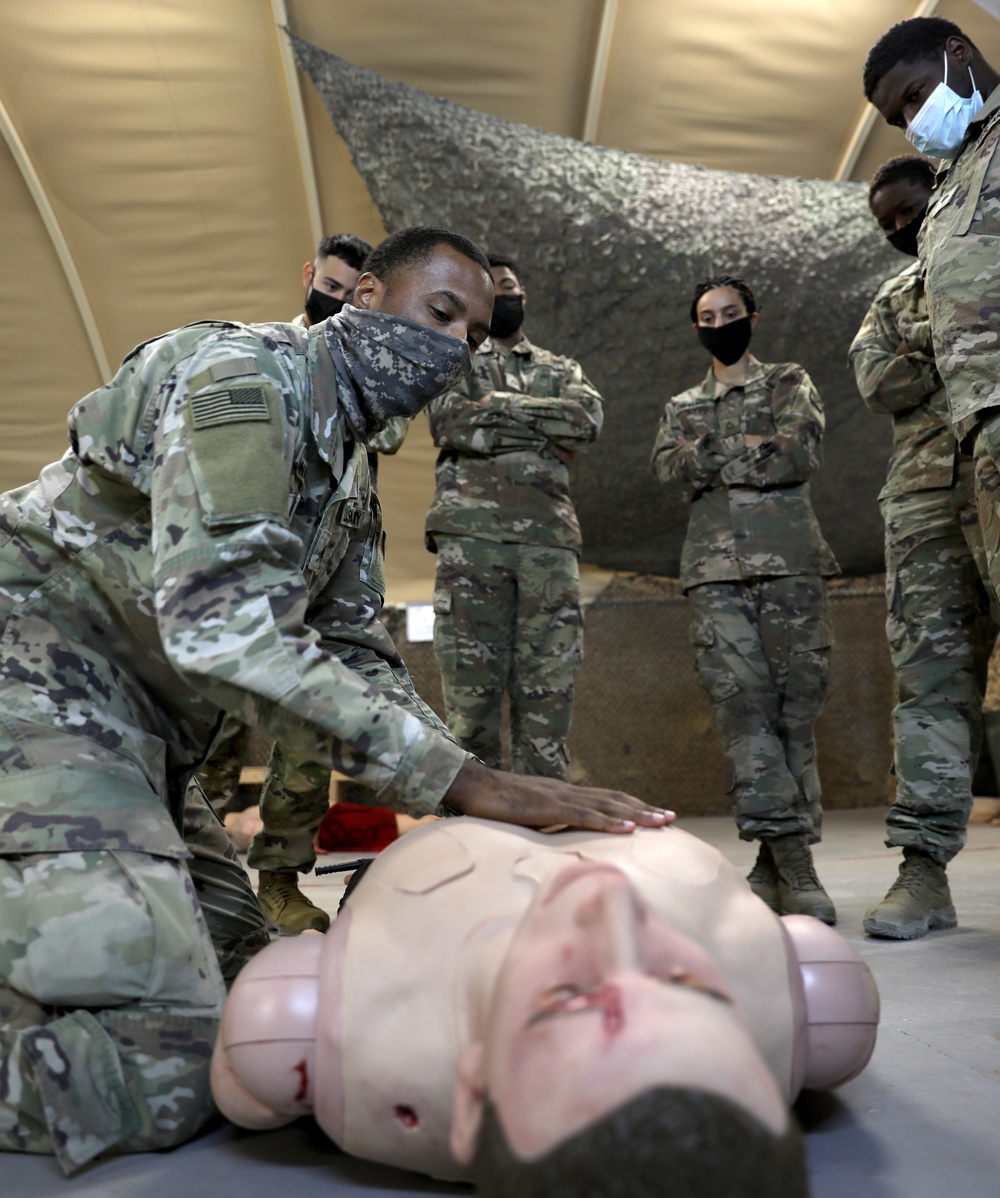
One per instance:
(960, 248)
(906, 387)
(751, 516)
(208, 543)
(497, 475)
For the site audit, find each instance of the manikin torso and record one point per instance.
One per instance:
(403, 980)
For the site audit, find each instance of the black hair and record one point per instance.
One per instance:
(679, 1141)
(915, 40)
(723, 281)
(505, 260)
(352, 250)
(407, 247)
(906, 166)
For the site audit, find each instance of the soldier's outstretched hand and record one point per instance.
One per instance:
(548, 802)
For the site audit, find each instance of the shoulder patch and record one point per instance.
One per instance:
(234, 405)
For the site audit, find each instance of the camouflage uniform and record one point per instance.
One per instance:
(507, 590)
(960, 249)
(938, 614)
(753, 566)
(209, 543)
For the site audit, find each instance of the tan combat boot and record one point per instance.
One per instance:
(800, 891)
(763, 878)
(285, 905)
(918, 902)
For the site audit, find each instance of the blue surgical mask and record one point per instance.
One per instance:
(940, 125)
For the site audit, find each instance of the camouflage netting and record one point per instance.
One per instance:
(611, 245)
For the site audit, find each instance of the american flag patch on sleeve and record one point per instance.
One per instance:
(232, 406)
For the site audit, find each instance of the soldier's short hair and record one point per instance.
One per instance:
(906, 166)
(677, 1140)
(350, 249)
(723, 281)
(505, 260)
(914, 40)
(408, 247)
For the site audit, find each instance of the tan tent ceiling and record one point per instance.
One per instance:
(164, 162)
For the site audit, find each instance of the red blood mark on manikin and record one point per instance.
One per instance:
(407, 1116)
(302, 1069)
(608, 998)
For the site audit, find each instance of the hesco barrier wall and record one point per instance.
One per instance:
(642, 723)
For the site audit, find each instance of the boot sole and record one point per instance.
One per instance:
(939, 920)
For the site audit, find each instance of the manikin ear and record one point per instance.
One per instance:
(470, 1095)
(307, 275)
(369, 291)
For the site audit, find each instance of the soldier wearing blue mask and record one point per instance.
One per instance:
(927, 79)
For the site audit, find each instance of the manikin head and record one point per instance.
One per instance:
(898, 196)
(509, 301)
(927, 78)
(724, 314)
(435, 277)
(329, 280)
(610, 1027)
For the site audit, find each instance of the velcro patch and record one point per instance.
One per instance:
(229, 368)
(234, 406)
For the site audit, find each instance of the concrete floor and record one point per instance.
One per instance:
(922, 1120)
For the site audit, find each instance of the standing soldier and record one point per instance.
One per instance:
(507, 591)
(938, 612)
(295, 795)
(744, 443)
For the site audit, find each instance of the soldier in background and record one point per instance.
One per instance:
(744, 443)
(329, 283)
(296, 793)
(938, 623)
(207, 544)
(507, 539)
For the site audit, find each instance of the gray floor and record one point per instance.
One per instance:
(923, 1120)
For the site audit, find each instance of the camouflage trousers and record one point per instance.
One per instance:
(762, 651)
(220, 775)
(295, 797)
(941, 633)
(111, 991)
(507, 620)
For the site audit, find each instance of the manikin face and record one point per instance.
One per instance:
(330, 275)
(895, 204)
(720, 306)
(447, 292)
(598, 1000)
(903, 90)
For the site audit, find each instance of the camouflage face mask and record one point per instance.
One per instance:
(390, 366)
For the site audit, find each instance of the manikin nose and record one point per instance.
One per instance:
(614, 916)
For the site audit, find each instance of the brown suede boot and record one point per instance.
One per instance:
(285, 905)
(800, 891)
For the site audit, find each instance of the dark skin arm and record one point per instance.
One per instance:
(548, 802)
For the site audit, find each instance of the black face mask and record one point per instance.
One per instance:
(905, 239)
(727, 342)
(319, 305)
(508, 315)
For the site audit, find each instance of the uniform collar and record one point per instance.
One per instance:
(979, 124)
(755, 371)
(524, 346)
